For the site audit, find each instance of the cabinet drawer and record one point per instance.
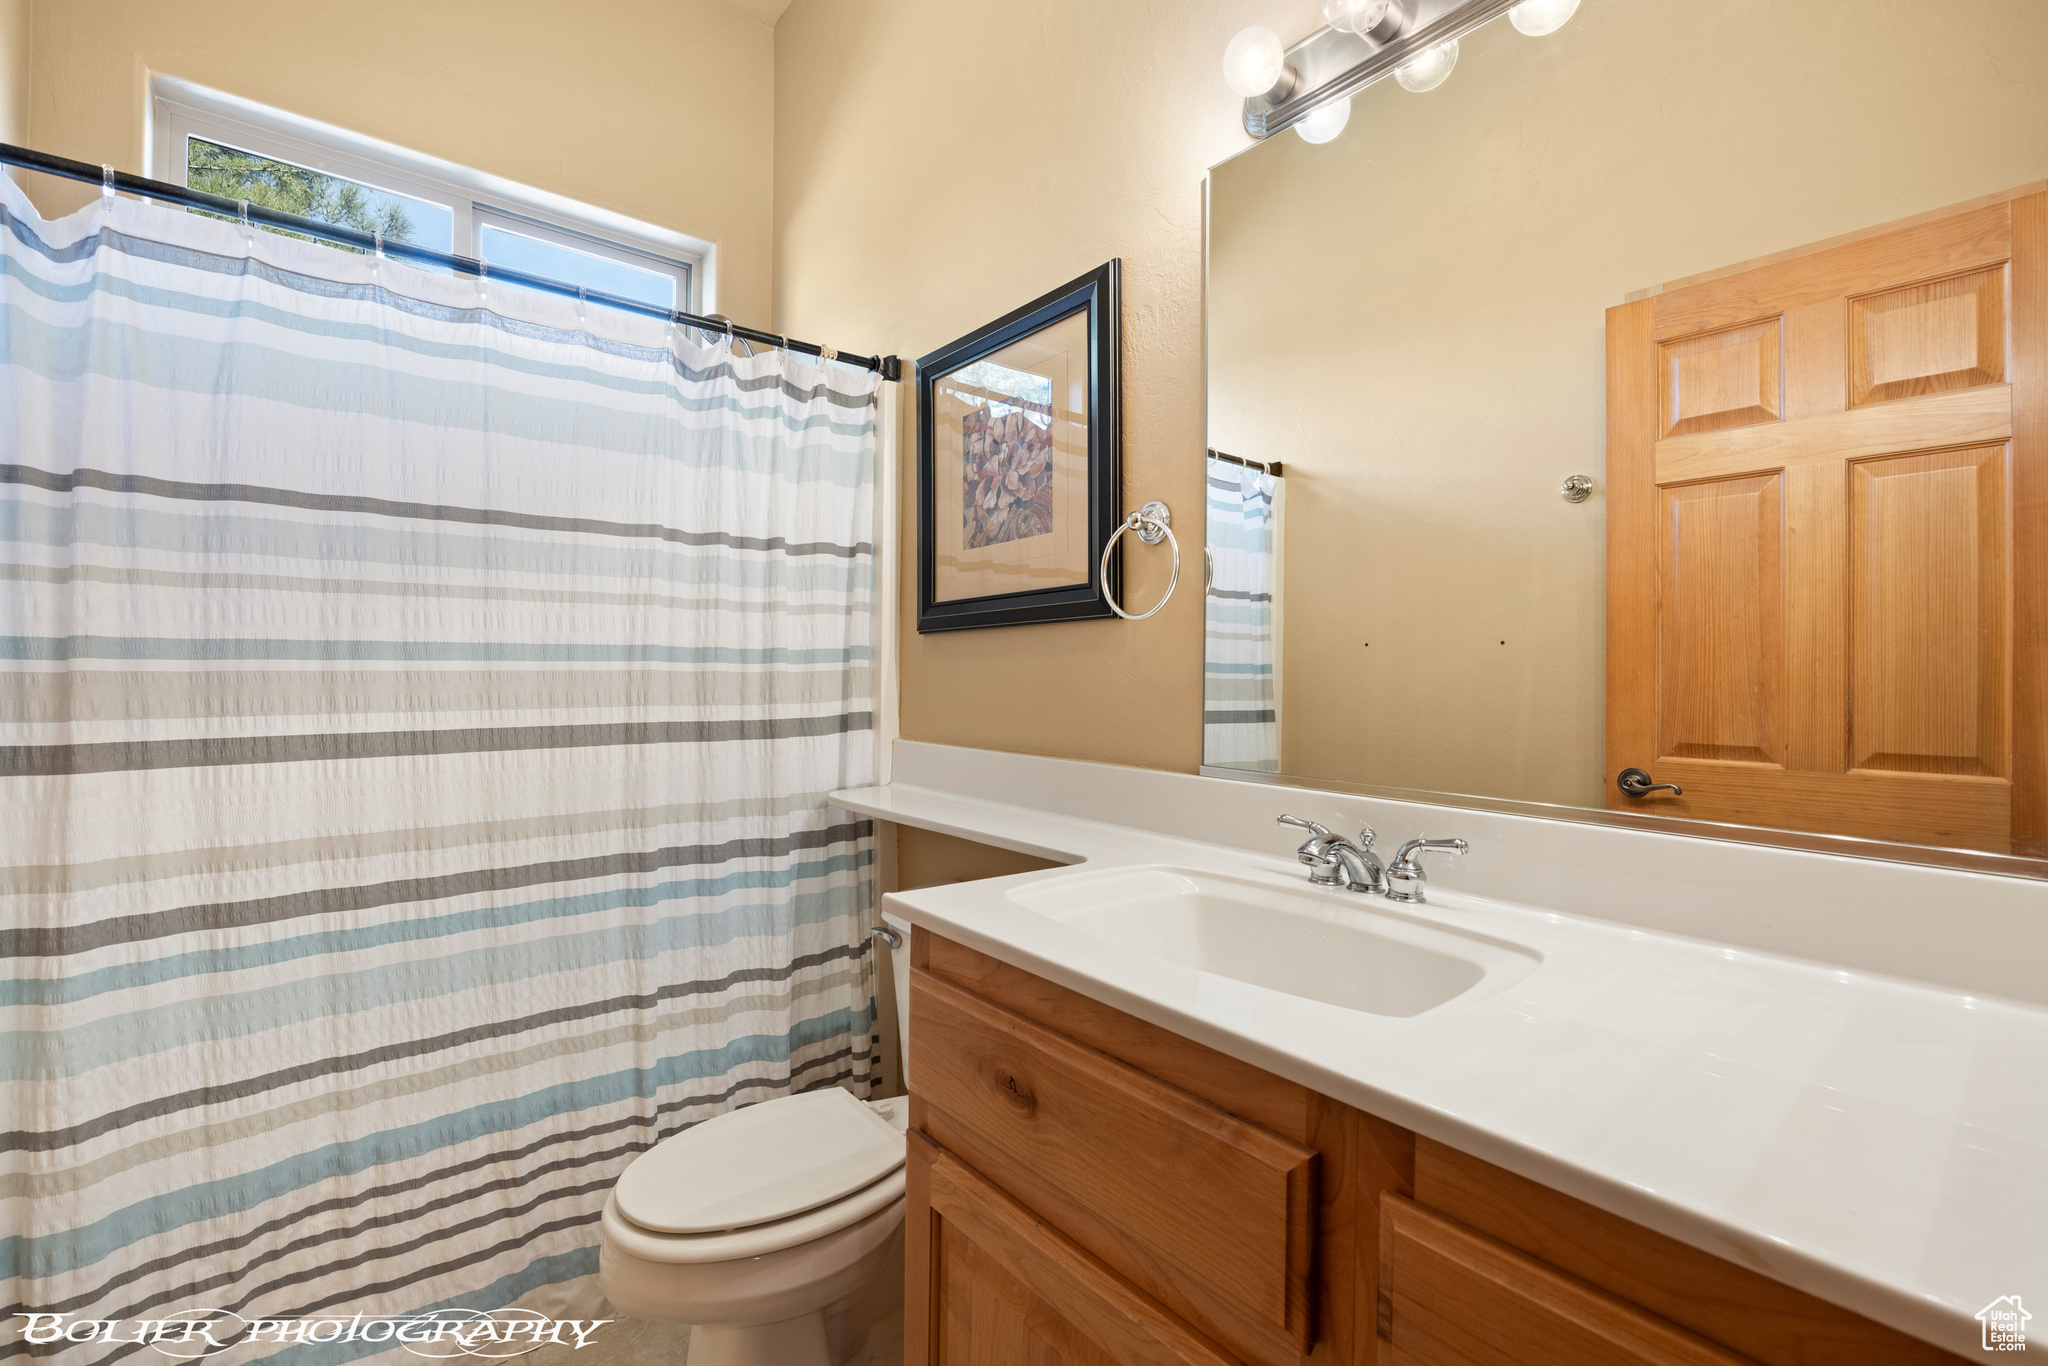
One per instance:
(1452, 1297)
(1209, 1214)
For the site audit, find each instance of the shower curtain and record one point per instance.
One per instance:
(417, 701)
(1240, 707)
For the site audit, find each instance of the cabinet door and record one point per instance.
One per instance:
(1451, 1297)
(992, 1285)
(1729, 1304)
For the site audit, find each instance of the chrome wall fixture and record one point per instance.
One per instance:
(1153, 523)
(1309, 86)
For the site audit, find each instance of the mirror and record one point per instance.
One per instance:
(1772, 281)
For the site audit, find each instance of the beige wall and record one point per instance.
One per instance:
(658, 109)
(939, 163)
(1410, 317)
(14, 71)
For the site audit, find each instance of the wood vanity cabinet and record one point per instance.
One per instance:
(1086, 1188)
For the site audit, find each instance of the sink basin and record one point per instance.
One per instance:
(1318, 943)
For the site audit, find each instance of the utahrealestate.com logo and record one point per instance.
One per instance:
(443, 1333)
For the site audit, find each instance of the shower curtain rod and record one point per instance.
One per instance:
(889, 366)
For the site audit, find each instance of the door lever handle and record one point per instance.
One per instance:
(1636, 783)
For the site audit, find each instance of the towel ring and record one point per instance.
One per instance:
(1152, 523)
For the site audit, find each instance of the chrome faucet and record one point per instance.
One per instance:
(1405, 880)
(1334, 861)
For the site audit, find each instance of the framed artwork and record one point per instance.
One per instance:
(1019, 463)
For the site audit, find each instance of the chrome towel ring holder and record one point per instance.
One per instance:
(1153, 523)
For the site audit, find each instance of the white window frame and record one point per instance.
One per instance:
(181, 110)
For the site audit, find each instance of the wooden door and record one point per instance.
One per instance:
(990, 1284)
(1828, 528)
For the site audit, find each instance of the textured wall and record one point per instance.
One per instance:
(14, 70)
(658, 109)
(938, 164)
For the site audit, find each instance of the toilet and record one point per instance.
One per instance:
(757, 1225)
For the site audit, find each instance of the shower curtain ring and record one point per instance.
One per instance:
(582, 303)
(106, 179)
(248, 232)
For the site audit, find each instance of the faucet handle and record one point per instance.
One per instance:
(1315, 850)
(1366, 836)
(1405, 879)
(1407, 852)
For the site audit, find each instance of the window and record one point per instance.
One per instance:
(231, 147)
(237, 173)
(537, 249)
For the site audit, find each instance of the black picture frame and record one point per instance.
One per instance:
(1097, 293)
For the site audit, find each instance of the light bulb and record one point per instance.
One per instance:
(1380, 21)
(1355, 16)
(1254, 62)
(1538, 17)
(1325, 121)
(1429, 70)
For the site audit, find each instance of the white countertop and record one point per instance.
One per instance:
(1880, 1143)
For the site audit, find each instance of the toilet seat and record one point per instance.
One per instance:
(794, 1169)
(760, 1164)
(684, 1248)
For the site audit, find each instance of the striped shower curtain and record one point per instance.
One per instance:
(416, 709)
(1240, 701)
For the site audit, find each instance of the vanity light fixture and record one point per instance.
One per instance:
(1325, 121)
(1538, 17)
(1429, 70)
(1255, 65)
(1363, 42)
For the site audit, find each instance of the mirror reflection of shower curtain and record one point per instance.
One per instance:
(1240, 649)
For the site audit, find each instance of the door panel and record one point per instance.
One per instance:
(1844, 629)
(1929, 612)
(1722, 592)
(1923, 339)
(1732, 378)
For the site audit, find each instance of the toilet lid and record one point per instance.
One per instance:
(760, 1163)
